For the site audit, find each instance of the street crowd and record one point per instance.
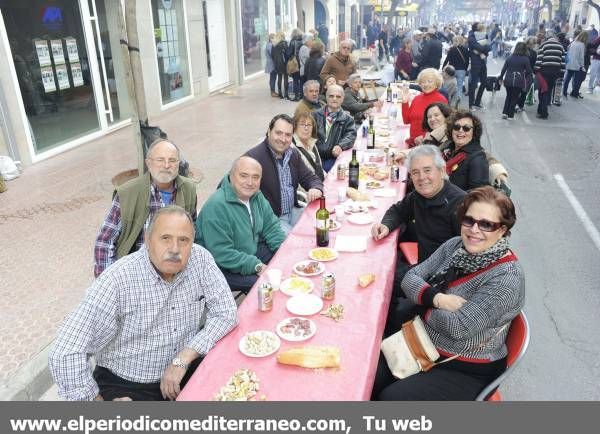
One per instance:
(162, 261)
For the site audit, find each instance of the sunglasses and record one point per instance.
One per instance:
(483, 225)
(465, 128)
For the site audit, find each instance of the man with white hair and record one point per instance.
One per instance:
(335, 128)
(550, 63)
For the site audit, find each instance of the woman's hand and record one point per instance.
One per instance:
(448, 302)
(419, 140)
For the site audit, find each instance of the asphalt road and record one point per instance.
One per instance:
(560, 258)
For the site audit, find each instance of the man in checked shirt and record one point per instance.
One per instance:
(135, 202)
(141, 319)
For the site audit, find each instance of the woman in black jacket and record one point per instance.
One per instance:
(292, 51)
(466, 163)
(532, 55)
(458, 57)
(315, 62)
(279, 55)
(515, 74)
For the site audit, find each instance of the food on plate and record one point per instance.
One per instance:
(353, 208)
(377, 158)
(296, 285)
(323, 254)
(259, 343)
(356, 195)
(380, 175)
(296, 328)
(365, 280)
(368, 171)
(311, 357)
(374, 184)
(334, 311)
(383, 133)
(242, 386)
(311, 267)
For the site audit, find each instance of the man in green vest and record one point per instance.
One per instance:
(135, 203)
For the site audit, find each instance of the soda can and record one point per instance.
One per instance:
(341, 171)
(395, 173)
(265, 297)
(365, 131)
(328, 289)
(389, 158)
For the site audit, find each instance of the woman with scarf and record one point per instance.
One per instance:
(469, 291)
(305, 137)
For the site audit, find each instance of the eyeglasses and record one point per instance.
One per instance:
(305, 125)
(483, 225)
(465, 128)
(162, 161)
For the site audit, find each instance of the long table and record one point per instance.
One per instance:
(358, 334)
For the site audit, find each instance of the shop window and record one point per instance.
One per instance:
(254, 34)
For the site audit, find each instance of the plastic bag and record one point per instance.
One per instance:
(8, 168)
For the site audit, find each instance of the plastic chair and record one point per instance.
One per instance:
(517, 342)
(410, 250)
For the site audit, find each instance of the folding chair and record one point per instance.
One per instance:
(410, 250)
(517, 342)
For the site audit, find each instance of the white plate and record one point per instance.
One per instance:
(334, 225)
(261, 334)
(361, 219)
(312, 253)
(293, 337)
(302, 273)
(304, 304)
(287, 288)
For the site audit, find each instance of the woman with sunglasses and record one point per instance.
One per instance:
(466, 162)
(470, 289)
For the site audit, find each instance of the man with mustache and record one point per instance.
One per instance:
(141, 319)
(238, 226)
(426, 215)
(283, 170)
(135, 203)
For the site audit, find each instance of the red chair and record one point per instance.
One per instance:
(410, 250)
(517, 342)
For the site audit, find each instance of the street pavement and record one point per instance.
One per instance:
(50, 216)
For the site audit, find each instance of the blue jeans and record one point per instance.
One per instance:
(240, 282)
(272, 79)
(460, 80)
(288, 221)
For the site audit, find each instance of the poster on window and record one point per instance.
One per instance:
(43, 53)
(76, 74)
(57, 51)
(175, 78)
(48, 79)
(72, 52)
(62, 76)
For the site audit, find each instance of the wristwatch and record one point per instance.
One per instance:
(179, 363)
(259, 267)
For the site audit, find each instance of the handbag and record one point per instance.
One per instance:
(292, 66)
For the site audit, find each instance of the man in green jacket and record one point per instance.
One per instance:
(238, 226)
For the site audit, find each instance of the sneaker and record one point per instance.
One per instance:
(478, 106)
(511, 118)
(539, 116)
(504, 116)
(590, 91)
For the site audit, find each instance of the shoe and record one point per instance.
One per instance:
(518, 109)
(504, 116)
(589, 91)
(274, 94)
(580, 96)
(539, 116)
(477, 106)
(511, 118)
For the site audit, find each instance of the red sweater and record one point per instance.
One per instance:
(413, 114)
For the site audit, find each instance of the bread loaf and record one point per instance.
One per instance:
(356, 195)
(311, 357)
(365, 280)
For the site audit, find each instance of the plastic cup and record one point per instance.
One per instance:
(274, 276)
(341, 194)
(340, 213)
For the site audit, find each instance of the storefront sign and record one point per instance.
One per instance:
(76, 74)
(43, 53)
(48, 79)
(63, 77)
(72, 51)
(57, 51)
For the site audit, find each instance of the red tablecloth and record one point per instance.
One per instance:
(358, 334)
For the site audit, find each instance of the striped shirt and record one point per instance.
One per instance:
(495, 295)
(135, 323)
(286, 187)
(551, 54)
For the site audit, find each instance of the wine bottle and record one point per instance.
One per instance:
(389, 93)
(322, 224)
(353, 171)
(371, 137)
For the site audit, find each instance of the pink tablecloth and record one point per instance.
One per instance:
(358, 334)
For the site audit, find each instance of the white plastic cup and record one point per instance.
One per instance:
(274, 276)
(341, 194)
(340, 213)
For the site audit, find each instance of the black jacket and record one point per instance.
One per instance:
(342, 133)
(279, 55)
(516, 71)
(458, 57)
(475, 49)
(312, 68)
(269, 183)
(473, 171)
(431, 54)
(435, 218)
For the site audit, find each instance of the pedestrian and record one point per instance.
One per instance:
(532, 55)
(383, 43)
(450, 86)
(458, 57)
(515, 76)
(479, 48)
(292, 52)
(304, 55)
(324, 35)
(404, 61)
(593, 32)
(549, 66)
(576, 65)
(595, 65)
(314, 63)
(269, 65)
(279, 55)
(431, 51)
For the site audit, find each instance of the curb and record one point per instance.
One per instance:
(31, 381)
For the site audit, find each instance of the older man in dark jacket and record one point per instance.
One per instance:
(335, 128)
(282, 171)
(431, 51)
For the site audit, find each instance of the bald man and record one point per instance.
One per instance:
(238, 226)
(339, 64)
(135, 203)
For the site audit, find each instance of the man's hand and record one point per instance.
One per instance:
(448, 302)
(313, 194)
(170, 381)
(379, 231)
(336, 151)
(400, 157)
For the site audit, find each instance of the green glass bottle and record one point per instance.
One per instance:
(371, 138)
(322, 224)
(389, 93)
(353, 171)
